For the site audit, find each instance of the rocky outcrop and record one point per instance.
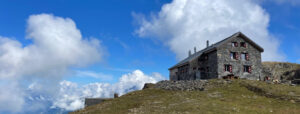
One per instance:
(281, 71)
(148, 85)
(188, 85)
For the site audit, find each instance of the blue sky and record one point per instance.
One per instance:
(115, 23)
(112, 22)
(285, 25)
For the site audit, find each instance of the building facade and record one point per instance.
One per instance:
(234, 57)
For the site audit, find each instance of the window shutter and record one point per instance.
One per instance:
(236, 55)
(247, 56)
(250, 69)
(243, 44)
(230, 68)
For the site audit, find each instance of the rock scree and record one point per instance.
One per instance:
(183, 85)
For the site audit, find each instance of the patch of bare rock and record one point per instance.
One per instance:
(183, 85)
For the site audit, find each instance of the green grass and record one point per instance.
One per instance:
(218, 98)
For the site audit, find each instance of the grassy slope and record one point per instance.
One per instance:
(218, 98)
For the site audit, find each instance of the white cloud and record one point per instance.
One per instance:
(96, 75)
(183, 24)
(56, 46)
(11, 97)
(30, 75)
(135, 81)
(71, 95)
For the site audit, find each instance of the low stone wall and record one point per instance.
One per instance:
(296, 81)
(184, 85)
(93, 101)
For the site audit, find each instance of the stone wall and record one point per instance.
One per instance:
(212, 64)
(213, 67)
(184, 72)
(188, 85)
(238, 65)
(173, 75)
(93, 101)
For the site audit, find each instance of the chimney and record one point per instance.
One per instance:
(195, 50)
(190, 53)
(207, 43)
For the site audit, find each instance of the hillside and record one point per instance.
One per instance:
(281, 71)
(218, 96)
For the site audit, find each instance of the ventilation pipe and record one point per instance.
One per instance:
(195, 50)
(190, 53)
(207, 43)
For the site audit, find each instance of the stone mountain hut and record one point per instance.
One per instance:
(234, 57)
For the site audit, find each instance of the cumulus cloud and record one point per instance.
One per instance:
(71, 95)
(30, 75)
(135, 81)
(57, 45)
(183, 24)
(96, 75)
(11, 97)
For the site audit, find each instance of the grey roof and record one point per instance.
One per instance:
(214, 46)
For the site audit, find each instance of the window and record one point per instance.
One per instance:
(247, 69)
(234, 44)
(234, 55)
(243, 44)
(245, 56)
(206, 57)
(207, 69)
(202, 70)
(228, 68)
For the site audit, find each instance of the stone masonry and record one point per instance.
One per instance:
(234, 57)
